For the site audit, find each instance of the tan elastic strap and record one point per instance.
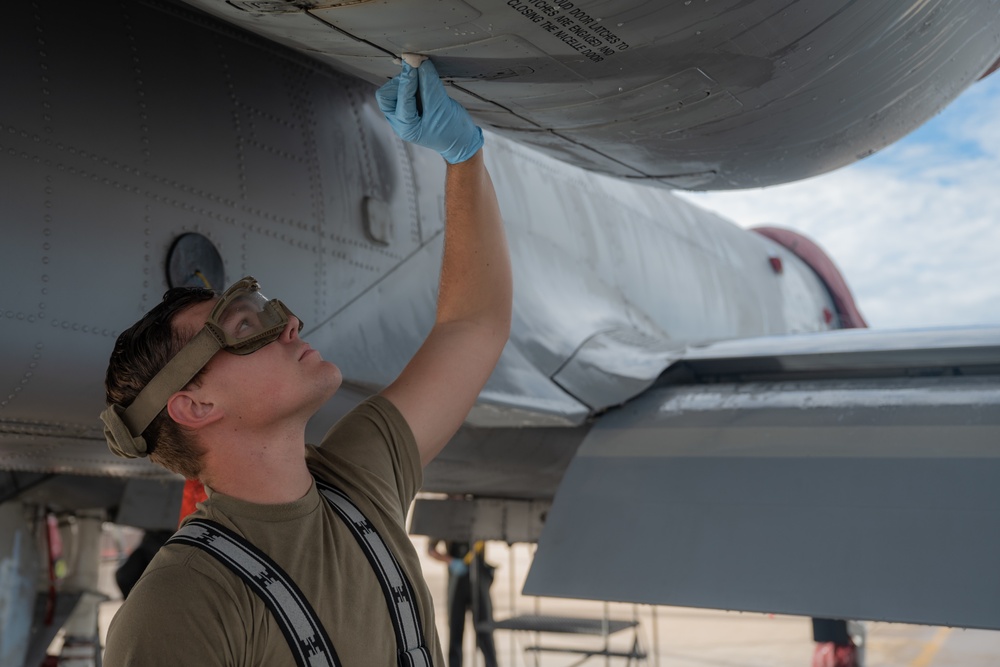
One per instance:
(120, 441)
(172, 378)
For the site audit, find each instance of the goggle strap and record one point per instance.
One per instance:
(172, 378)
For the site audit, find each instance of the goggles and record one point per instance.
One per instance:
(242, 322)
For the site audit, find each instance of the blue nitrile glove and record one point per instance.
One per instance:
(442, 124)
(457, 566)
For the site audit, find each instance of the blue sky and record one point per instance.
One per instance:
(915, 228)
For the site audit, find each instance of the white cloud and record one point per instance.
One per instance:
(914, 229)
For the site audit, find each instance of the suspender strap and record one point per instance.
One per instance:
(399, 596)
(311, 647)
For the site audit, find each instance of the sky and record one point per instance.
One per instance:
(915, 228)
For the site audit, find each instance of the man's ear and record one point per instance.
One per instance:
(186, 409)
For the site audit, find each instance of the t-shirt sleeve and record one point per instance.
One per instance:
(373, 447)
(176, 616)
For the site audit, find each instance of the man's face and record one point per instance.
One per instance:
(283, 379)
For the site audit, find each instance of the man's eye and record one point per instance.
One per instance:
(241, 327)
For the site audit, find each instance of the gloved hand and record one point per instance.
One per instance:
(457, 566)
(442, 124)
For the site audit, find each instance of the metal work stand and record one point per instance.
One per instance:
(600, 627)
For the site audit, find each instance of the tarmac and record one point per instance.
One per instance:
(669, 636)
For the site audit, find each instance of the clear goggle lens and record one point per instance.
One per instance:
(244, 320)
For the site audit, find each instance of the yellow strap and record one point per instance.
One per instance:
(477, 548)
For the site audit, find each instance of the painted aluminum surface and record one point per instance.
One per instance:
(860, 348)
(701, 95)
(860, 499)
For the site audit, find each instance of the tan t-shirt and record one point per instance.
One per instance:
(190, 609)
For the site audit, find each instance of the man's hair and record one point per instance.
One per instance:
(140, 352)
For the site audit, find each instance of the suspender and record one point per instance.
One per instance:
(399, 597)
(310, 645)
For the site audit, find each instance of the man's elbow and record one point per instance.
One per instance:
(504, 325)
(495, 335)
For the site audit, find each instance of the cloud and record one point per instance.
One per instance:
(915, 229)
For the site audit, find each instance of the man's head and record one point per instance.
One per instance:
(156, 383)
(139, 354)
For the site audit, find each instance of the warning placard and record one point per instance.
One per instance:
(573, 26)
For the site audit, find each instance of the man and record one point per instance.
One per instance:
(469, 581)
(235, 400)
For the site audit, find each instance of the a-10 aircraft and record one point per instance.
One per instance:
(673, 382)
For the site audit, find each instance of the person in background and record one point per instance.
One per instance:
(469, 581)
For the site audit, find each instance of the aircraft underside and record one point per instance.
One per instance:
(696, 95)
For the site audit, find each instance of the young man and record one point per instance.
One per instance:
(230, 409)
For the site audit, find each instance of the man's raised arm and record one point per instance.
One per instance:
(439, 386)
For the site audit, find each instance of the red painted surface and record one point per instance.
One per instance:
(815, 257)
(194, 493)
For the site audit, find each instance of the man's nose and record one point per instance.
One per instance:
(291, 331)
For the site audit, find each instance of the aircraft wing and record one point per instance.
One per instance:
(693, 95)
(850, 474)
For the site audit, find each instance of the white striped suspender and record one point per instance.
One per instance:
(310, 645)
(399, 597)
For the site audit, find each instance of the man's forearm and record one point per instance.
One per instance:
(475, 270)
(439, 386)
